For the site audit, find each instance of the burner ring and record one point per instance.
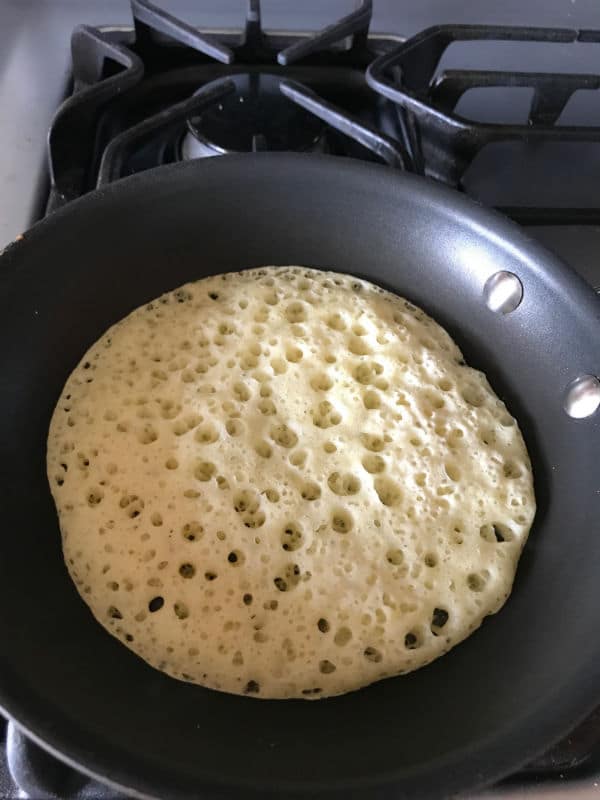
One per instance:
(256, 117)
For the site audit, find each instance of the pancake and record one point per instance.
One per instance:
(286, 483)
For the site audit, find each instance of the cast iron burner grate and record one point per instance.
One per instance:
(442, 143)
(137, 95)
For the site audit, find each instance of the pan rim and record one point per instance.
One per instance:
(406, 780)
(473, 214)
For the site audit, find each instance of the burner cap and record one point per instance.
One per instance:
(256, 117)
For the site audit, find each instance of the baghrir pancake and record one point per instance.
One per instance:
(286, 483)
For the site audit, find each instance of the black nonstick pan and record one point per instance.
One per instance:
(517, 685)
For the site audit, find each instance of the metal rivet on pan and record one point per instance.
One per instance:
(503, 292)
(582, 397)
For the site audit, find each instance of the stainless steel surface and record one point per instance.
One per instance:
(193, 147)
(503, 292)
(582, 396)
(577, 245)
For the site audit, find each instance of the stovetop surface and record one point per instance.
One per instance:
(35, 78)
(35, 61)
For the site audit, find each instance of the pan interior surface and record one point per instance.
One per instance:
(506, 693)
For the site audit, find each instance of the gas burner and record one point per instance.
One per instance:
(256, 116)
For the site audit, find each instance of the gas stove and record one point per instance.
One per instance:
(508, 114)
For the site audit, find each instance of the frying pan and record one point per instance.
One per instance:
(518, 684)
